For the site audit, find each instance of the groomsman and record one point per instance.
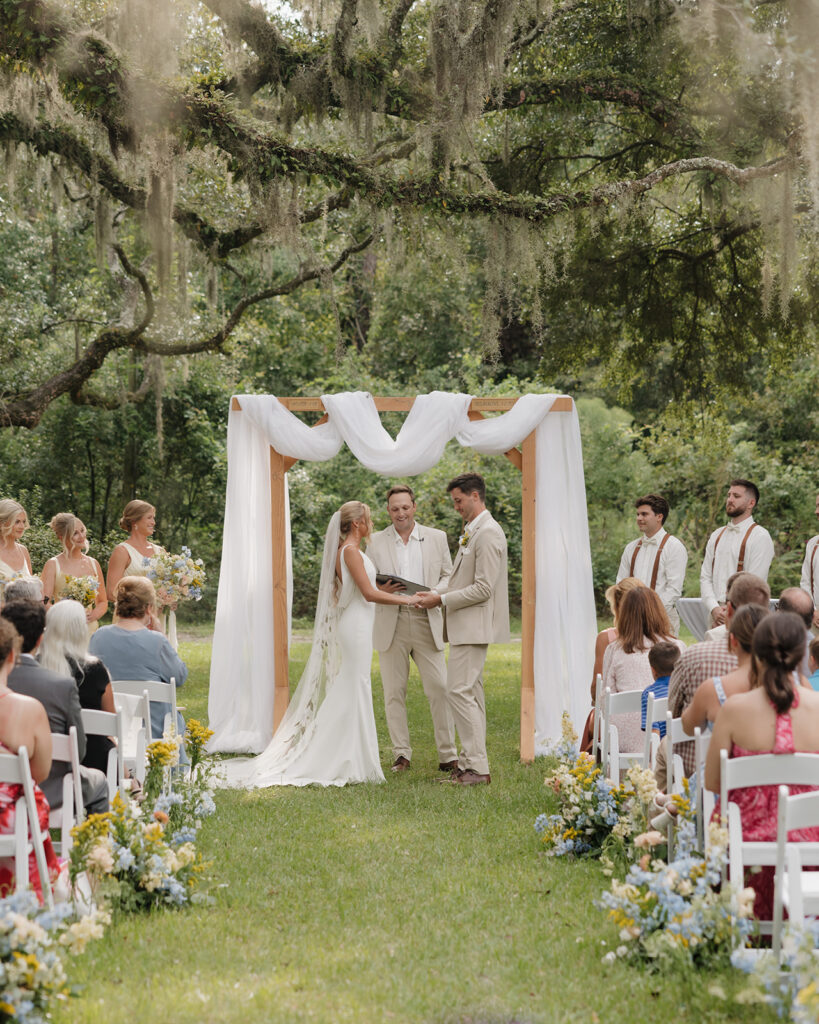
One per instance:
(810, 571)
(656, 558)
(420, 554)
(740, 546)
(476, 607)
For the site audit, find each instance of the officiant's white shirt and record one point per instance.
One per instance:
(409, 559)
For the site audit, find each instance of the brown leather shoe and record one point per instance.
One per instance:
(470, 778)
(448, 766)
(401, 764)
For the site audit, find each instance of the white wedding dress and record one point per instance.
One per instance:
(327, 736)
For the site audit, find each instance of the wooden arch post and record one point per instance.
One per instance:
(525, 460)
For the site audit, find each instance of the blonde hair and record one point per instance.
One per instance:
(352, 512)
(133, 512)
(9, 510)
(64, 524)
(134, 596)
(616, 593)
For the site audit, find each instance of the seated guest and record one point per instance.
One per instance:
(135, 648)
(642, 622)
(614, 596)
(813, 659)
(23, 723)
(712, 694)
(64, 650)
(661, 659)
(800, 603)
(778, 716)
(24, 590)
(58, 695)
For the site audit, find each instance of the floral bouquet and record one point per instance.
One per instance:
(130, 859)
(81, 588)
(588, 808)
(679, 910)
(792, 985)
(31, 964)
(176, 577)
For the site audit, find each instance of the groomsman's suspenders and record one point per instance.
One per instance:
(656, 570)
(741, 559)
(813, 564)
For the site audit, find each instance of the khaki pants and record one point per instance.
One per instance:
(413, 638)
(466, 698)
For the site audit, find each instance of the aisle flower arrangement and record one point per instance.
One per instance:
(33, 943)
(80, 588)
(792, 985)
(679, 910)
(138, 856)
(176, 578)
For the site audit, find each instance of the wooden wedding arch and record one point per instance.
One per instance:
(523, 458)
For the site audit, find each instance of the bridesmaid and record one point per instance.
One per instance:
(128, 558)
(15, 561)
(74, 561)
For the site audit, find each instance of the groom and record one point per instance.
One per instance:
(476, 606)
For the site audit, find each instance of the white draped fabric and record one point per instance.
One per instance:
(241, 682)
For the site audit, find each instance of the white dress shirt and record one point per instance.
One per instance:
(759, 552)
(805, 581)
(409, 559)
(671, 573)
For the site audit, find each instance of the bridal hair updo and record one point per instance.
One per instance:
(133, 512)
(779, 647)
(134, 596)
(351, 512)
(9, 511)
(64, 524)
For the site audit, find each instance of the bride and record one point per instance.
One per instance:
(327, 735)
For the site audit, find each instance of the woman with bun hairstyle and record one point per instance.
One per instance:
(15, 561)
(780, 715)
(128, 558)
(74, 562)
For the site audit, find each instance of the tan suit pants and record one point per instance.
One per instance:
(413, 638)
(465, 684)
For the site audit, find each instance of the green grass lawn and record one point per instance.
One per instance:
(405, 902)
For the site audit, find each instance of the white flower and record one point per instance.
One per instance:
(609, 957)
(100, 858)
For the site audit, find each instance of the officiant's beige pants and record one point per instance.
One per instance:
(413, 639)
(465, 686)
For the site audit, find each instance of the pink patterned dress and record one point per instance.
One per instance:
(758, 808)
(9, 795)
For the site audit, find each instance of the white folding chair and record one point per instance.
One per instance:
(614, 759)
(674, 769)
(794, 888)
(135, 716)
(704, 799)
(597, 733)
(106, 723)
(656, 708)
(761, 770)
(65, 748)
(27, 838)
(162, 693)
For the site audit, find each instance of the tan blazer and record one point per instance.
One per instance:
(477, 594)
(437, 567)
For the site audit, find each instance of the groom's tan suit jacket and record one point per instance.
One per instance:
(437, 566)
(477, 593)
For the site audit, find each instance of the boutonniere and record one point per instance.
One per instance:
(463, 540)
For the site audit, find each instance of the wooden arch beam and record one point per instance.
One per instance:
(524, 458)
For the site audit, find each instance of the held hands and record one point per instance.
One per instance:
(427, 599)
(718, 615)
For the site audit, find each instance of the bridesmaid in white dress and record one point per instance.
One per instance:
(128, 558)
(328, 735)
(15, 561)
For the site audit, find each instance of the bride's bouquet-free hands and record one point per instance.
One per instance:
(176, 578)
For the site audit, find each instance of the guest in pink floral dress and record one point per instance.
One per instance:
(779, 716)
(23, 723)
(642, 622)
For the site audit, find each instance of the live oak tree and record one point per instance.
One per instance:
(640, 176)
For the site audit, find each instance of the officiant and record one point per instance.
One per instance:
(420, 555)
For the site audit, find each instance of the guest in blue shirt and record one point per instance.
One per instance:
(813, 663)
(661, 657)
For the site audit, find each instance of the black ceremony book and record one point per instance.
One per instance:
(408, 585)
